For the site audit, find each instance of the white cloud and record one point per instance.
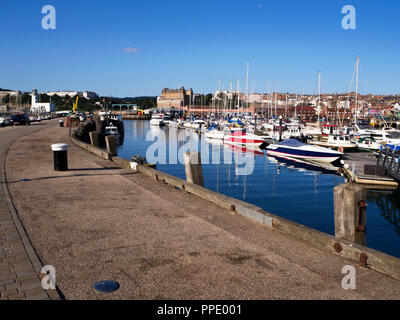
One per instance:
(131, 50)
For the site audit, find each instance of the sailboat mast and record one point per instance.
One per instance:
(319, 96)
(247, 84)
(356, 102)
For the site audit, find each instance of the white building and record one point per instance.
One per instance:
(344, 104)
(90, 95)
(41, 107)
(85, 94)
(65, 93)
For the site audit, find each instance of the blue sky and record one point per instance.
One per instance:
(195, 43)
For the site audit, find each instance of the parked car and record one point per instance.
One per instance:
(21, 119)
(5, 121)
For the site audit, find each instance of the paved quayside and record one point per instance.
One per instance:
(19, 264)
(98, 222)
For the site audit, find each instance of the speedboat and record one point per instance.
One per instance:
(239, 137)
(295, 149)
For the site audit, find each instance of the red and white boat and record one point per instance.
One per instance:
(239, 137)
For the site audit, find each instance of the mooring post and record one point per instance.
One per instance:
(111, 145)
(94, 139)
(350, 213)
(193, 168)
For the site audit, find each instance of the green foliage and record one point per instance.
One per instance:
(141, 102)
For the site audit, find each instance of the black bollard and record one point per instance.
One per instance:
(60, 153)
(61, 124)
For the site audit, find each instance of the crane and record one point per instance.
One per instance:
(75, 107)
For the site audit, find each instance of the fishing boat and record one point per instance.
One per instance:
(113, 131)
(337, 142)
(329, 129)
(242, 138)
(367, 143)
(295, 149)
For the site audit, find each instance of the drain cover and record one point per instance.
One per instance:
(106, 286)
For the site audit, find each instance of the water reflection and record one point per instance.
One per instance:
(389, 204)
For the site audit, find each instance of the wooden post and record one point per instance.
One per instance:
(111, 145)
(350, 213)
(193, 168)
(94, 139)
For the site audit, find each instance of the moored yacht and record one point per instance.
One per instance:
(295, 149)
(239, 137)
(157, 120)
(337, 142)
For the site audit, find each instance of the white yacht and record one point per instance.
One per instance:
(157, 120)
(337, 142)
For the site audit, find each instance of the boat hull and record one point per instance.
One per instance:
(302, 154)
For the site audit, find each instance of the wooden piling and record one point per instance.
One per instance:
(111, 145)
(193, 168)
(350, 213)
(94, 139)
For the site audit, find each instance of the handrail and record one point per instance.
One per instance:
(391, 161)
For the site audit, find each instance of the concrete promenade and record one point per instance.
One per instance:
(19, 265)
(98, 222)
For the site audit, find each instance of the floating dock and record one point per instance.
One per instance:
(354, 170)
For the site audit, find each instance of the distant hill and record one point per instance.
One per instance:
(4, 89)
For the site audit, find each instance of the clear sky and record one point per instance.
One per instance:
(135, 48)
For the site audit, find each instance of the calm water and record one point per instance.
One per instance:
(300, 194)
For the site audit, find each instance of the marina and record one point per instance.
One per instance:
(204, 157)
(299, 191)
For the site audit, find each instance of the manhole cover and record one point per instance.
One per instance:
(106, 286)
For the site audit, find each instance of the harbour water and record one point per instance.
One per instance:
(298, 193)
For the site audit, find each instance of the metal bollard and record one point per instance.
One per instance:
(60, 155)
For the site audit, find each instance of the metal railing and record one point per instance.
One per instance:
(391, 161)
